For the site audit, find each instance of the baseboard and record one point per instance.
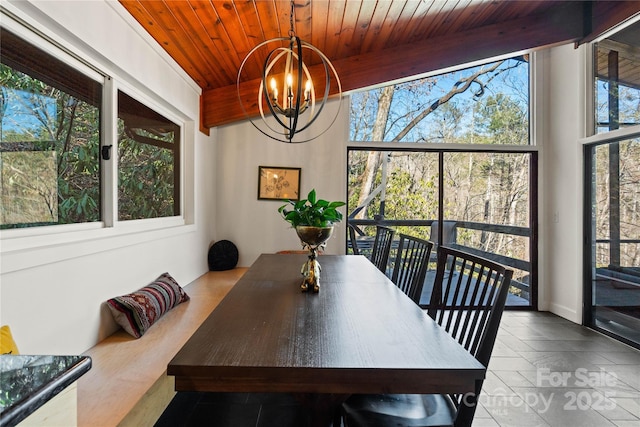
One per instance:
(565, 312)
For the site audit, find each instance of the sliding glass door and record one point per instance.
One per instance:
(614, 234)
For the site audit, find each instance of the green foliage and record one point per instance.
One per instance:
(145, 181)
(408, 197)
(77, 144)
(311, 211)
(502, 120)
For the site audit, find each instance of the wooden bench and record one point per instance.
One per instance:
(127, 384)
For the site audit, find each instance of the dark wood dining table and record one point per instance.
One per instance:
(359, 334)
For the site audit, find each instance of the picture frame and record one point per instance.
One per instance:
(278, 183)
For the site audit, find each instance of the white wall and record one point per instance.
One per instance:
(561, 279)
(52, 287)
(255, 225)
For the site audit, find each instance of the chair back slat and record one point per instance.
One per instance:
(410, 265)
(382, 247)
(477, 316)
(352, 239)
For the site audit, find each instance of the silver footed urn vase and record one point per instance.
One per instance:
(313, 219)
(312, 239)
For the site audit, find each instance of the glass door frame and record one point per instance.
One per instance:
(533, 183)
(589, 146)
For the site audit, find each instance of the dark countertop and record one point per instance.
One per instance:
(28, 382)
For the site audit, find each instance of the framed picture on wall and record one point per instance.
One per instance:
(278, 183)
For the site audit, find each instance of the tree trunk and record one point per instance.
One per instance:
(375, 157)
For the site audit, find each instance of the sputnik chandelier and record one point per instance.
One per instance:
(286, 96)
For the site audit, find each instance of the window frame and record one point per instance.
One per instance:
(534, 148)
(592, 81)
(588, 143)
(73, 71)
(28, 247)
(178, 155)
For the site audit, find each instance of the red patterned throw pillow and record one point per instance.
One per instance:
(137, 311)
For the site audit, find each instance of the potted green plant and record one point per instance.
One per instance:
(311, 212)
(313, 220)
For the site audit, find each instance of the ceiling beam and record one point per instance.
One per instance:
(563, 25)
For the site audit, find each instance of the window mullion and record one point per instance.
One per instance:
(109, 167)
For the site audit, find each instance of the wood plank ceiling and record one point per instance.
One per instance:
(368, 41)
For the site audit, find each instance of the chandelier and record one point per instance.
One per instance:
(287, 94)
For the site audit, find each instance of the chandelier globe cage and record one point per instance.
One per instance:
(288, 92)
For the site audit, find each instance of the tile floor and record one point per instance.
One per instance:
(544, 371)
(547, 371)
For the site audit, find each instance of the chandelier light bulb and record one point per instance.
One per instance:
(307, 90)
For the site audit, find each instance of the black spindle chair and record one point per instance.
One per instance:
(468, 299)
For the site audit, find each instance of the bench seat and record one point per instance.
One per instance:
(127, 384)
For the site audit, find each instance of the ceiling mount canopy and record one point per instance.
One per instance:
(294, 75)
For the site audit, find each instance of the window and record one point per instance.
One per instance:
(617, 85)
(480, 186)
(487, 104)
(52, 159)
(49, 139)
(148, 162)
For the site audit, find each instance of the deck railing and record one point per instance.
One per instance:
(365, 243)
